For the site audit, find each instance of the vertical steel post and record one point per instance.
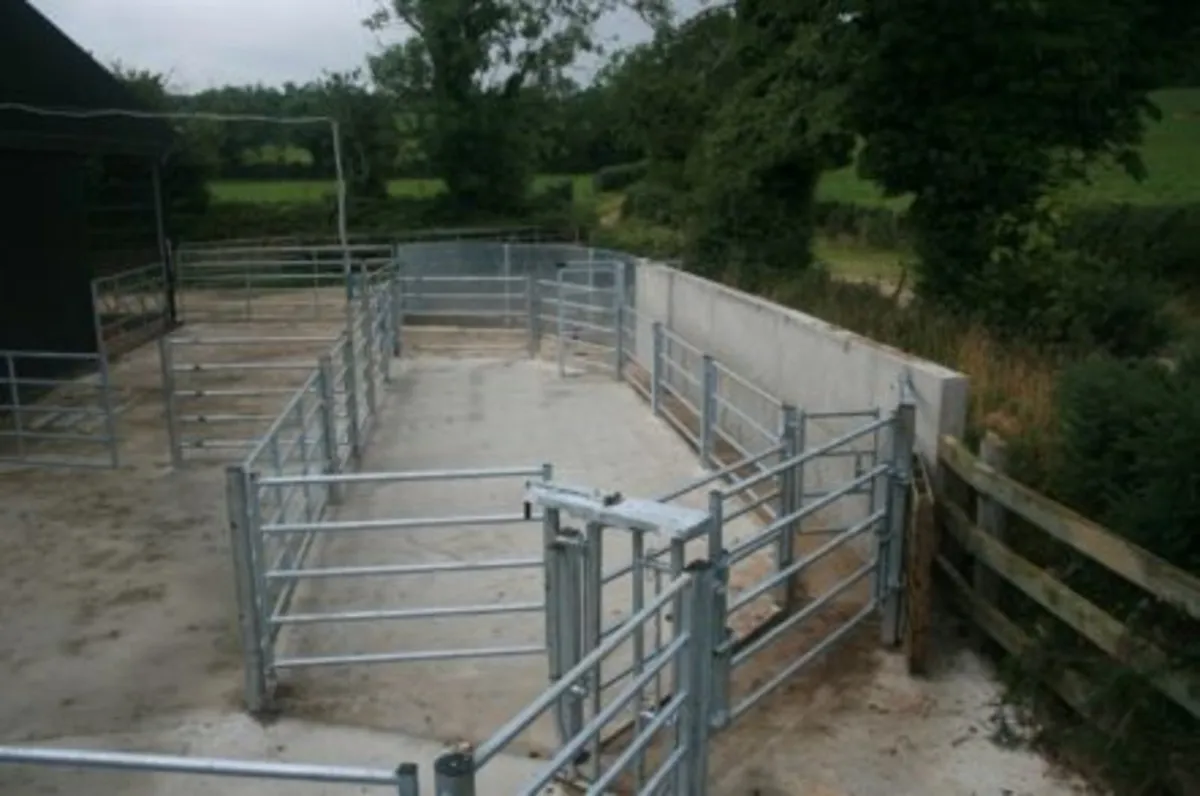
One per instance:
(785, 506)
(531, 306)
(698, 621)
(106, 401)
(656, 367)
(573, 644)
(561, 319)
(369, 341)
(593, 623)
(719, 642)
(397, 307)
(350, 379)
(409, 779)
(708, 409)
(506, 271)
(891, 553)
(329, 424)
(454, 774)
(166, 360)
(237, 506)
(619, 319)
(637, 576)
(14, 397)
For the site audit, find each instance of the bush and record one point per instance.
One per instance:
(619, 177)
(1036, 288)
(652, 201)
(1163, 239)
(875, 226)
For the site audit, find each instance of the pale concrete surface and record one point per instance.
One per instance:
(236, 737)
(461, 413)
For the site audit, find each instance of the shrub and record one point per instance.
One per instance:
(652, 201)
(1163, 239)
(620, 176)
(872, 225)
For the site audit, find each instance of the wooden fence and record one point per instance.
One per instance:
(993, 560)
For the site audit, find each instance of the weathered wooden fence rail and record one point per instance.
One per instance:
(983, 538)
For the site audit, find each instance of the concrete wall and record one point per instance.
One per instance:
(800, 359)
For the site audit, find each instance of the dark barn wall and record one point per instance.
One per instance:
(45, 291)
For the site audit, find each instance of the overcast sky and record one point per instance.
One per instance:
(205, 43)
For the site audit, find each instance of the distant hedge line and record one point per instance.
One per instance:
(1165, 239)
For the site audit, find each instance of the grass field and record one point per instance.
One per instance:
(1171, 152)
(267, 191)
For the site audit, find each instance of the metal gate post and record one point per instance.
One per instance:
(454, 774)
(248, 598)
(785, 506)
(593, 622)
(368, 342)
(166, 359)
(656, 365)
(395, 287)
(350, 379)
(619, 319)
(533, 308)
(560, 317)
(329, 424)
(572, 644)
(721, 637)
(698, 621)
(410, 780)
(708, 407)
(891, 553)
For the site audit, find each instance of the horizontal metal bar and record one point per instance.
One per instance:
(471, 279)
(75, 356)
(30, 461)
(771, 636)
(215, 444)
(402, 476)
(408, 613)
(404, 569)
(36, 382)
(808, 455)
(54, 435)
(681, 370)
(722, 370)
(46, 409)
(408, 657)
(342, 526)
(176, 764)
(639, 743)
(207, 393)
(717, 475)
(749, 505)
(796, 567)
(744, 416)
(225, 418)
(571, 749)
(655, 783)
(199, 367)
(767, 533)
(517, 724)
(834, 415)
(740, 709)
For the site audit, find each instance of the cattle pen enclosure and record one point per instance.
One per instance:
(472, 516)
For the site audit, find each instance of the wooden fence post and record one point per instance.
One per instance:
(920, 553)
(990, 516)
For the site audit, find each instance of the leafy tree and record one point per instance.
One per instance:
(467, 65)
(776, 128)
(978, 107)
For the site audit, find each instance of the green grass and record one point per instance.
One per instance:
(1171, 152)
(859, 262)
(268, 191)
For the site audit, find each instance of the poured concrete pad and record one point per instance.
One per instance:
(469, 413)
